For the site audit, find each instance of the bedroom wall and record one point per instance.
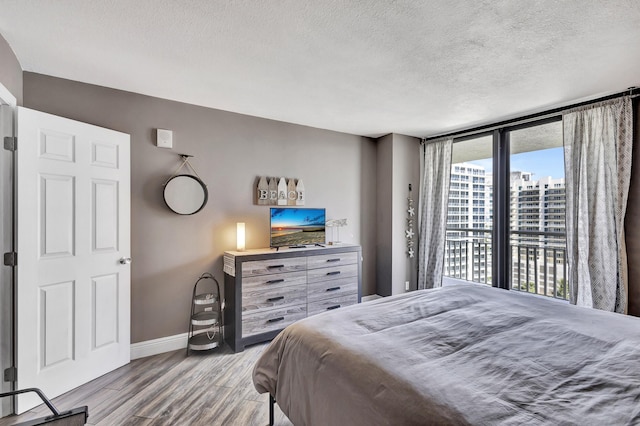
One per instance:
(398, 166)
(10, 70)
(230, 150)
(406, 170)
(632, 220)
(384, 215)
(368, 203)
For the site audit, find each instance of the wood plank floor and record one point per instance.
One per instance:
(172, 389)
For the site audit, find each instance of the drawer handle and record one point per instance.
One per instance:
(333, 289)
(276, 319)
(333, 307)
(281, 280)
(275, 266)
(273, 299)
(333, 273)
(333, 260)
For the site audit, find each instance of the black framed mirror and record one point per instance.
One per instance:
(185, 194)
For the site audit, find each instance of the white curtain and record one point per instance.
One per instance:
(597, 150)
(434, 199)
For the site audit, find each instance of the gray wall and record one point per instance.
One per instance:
(632, 220)
(230, 150)
(398, 166)
(10, 70)
(384, 215)
(406, 170)
(368, 203)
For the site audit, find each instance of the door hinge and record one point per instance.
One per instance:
(10, 374)
(10, 143)
(11, 259)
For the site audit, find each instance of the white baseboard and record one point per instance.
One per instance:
(179, 341)
(158, 346)
(370, 297)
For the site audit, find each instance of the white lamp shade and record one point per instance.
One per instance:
(240, 236)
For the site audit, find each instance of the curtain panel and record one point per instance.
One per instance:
(435, 162)
(597, 147)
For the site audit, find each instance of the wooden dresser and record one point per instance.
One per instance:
(266, 290)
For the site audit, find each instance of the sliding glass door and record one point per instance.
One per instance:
(537, 210)
(469, 222)
(506, 214)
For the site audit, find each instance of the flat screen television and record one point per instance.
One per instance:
(294, 227)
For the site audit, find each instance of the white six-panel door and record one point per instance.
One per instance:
(73, 249)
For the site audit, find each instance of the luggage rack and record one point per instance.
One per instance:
(205, 322)
(75, 417)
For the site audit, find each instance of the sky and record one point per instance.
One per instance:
(542, 163)
(296, 217)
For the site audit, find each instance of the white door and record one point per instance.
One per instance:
(73, 248)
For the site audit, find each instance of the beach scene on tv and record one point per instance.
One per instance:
(296, 227)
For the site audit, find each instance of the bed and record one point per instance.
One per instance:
(461, 354)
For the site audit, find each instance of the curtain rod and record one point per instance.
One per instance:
(631, 91)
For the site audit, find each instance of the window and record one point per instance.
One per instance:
(468, 243)
(534, 234)
(509, 230)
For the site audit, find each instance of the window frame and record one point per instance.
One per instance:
(500, 232)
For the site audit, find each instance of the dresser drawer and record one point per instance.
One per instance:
(333, 288)
(274, 281)
(331, 304)
(262, 321)
(331, 260)
(267, 298)
(267, 290)
(273, 266)
(332, 273)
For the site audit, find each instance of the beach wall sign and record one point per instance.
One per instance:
(279, 191)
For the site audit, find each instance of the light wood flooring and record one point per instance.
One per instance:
(213, 388)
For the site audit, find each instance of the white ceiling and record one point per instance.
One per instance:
(413, 67)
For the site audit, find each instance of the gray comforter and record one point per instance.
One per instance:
(465, 354)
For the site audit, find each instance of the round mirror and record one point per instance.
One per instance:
(185, 194)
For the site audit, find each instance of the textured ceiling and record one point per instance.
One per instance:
(413, 67)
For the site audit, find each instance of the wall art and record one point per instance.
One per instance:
(279, 191)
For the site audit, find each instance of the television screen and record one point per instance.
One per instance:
(297, 227)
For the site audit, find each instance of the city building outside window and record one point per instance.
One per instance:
(536, 206)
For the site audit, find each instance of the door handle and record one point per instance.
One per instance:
(124, 260)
